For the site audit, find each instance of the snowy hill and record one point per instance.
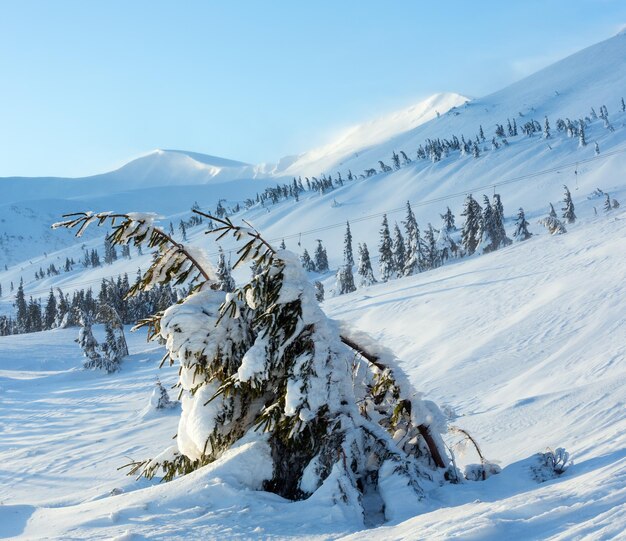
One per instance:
(363, 136)
(525, 346)
(525, 322)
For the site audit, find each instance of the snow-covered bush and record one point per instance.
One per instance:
(160, 399)
(264, 362)
(553, 225)
(550, 464)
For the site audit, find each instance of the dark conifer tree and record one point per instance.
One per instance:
(395, 160)
(364, 267)
(413, 252)
(50, 312)
(319, 291)
(183, 230)
(34, 319)
(307, 262)
(320, 257)
(552, 213)
(348, 256)
(399, 254)
(521, 227)
(448, 221)
(110, 253)
(387, 264)
(224, 278)
(21, 309)
(470, 233)
(568, 210)
(431, 253)
(345, 280)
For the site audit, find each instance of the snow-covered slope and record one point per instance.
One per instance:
(524, 348)
(359, 138)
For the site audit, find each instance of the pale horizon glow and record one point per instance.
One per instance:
(89, 86)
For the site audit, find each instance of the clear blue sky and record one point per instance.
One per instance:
(85, 86)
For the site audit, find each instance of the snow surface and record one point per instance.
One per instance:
(525, 347)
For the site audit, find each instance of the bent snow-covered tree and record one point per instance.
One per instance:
(264, 362)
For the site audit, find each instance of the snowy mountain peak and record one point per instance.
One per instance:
(180, 167)
(373, 132)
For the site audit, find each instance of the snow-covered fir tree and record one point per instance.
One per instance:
(364, 267)
(399, 254)
(448, 220)
(50, 312)
(320, 257)
(307, 262)
(319, 291)
(160, 399)
(431, 253)
(568, 209)
(413, 252)
(498, 215)
(521, 227)
(386, 260)
(552, 211)
(90, 346)
(224, 277)
(471, 231)
(348, 255)
(264, 363)
(345, 280)
(21, 309)
(114, 348)
(446, 247)
(582, 141)
(553, 225)
(110, 253)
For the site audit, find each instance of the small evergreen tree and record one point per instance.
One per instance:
(320, 257)
(568, 210)
(224, 277)
(307, 262)
(582, 141)
(345, 280)
(446, 247)
(50, 312)
(552, 213)
(607, 203)
(546, 129)
(319, 291)
(21, 308)
(553, 225)
(413, 251)
(348, 256)
(183, 230)
(399, 255)
(364, 267)
(387, 264)
(89, 344)
(448, 221)
(160, 398)
(110, 254)
(431, 253)
(471, 231)
(114, 348)
(521, 227)
(395, 159)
